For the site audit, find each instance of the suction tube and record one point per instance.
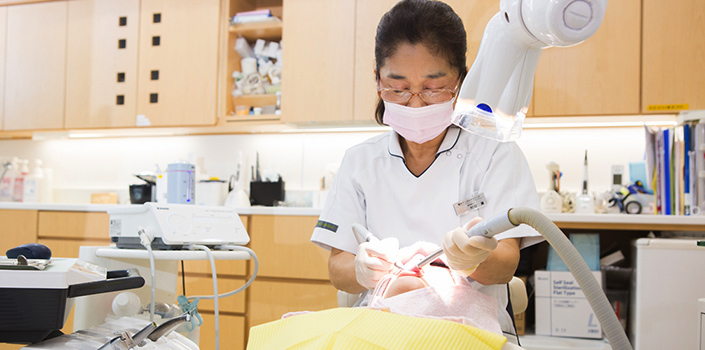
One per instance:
(577, 266)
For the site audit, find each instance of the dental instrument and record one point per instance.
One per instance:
(496, 92)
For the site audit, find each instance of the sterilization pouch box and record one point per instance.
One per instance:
(561, 307)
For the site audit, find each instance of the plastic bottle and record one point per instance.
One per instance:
(7, 185)
(18, 191)
(47, 194)
(33, 183)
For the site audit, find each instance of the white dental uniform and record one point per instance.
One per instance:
(373, 187)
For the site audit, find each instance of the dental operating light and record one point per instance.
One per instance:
(495, 95)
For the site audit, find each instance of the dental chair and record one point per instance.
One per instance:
(517, 298)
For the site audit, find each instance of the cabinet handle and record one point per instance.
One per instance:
(156, 40)
(157, 18)
(122, 43)
(120, 100)
(153, 98)
(121, 77)
(123, 21)
(155, 75)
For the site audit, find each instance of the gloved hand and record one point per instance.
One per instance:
(465, 253)
(374, 260)
(418, 248)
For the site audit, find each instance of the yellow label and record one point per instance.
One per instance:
(667, 107)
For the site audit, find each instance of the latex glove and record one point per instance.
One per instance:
(418, 248)
(374, 260)
(465, 253)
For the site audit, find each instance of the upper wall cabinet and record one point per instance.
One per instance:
(142, 63)
(318, 51)
(673, 73)
(597, 77)
(178, 62)
(475, 15)
(35, 66)
(101, 69)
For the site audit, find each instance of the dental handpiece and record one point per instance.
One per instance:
(486, 228)
(361, 233)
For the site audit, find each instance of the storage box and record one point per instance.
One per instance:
(561, 307)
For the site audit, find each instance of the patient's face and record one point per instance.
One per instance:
(433, 276)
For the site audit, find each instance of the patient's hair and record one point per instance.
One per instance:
(431, 23)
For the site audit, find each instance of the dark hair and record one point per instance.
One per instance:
(431, 23)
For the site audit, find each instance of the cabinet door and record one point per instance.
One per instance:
(599, 76)
(317, 72)
(101, 69)
(232, 331)
(475, 15)
(178, 62)
(18, 227)
(270, 300)
(284, 249)
(35, 66)
(673, 55)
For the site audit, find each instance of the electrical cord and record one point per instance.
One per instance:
(146, 237)
(215, 290)
(215, 295)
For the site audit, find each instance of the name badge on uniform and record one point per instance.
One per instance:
(477, 201)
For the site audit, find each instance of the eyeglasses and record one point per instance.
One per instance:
(430, 96)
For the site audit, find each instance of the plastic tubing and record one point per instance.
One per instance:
(577, 266)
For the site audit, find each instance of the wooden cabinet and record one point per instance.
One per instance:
(229, 338)
(293, 272)
(101, 67)
(18, 227)
(284, 249)
(148, 63)
(599, 76)
(318, 68)
(35, 66)
(271, 299)
(673, 56)
(178, 62)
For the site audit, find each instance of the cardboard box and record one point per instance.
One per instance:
(561, 307)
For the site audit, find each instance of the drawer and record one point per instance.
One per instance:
(64, 224)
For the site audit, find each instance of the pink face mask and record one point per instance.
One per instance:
(418, 124)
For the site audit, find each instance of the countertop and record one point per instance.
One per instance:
(563, 220)
(299, 211)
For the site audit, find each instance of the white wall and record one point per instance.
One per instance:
(82, 166)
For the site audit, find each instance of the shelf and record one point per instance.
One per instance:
(256, 100)
(628, 222)
(114, 252)
(269, 31)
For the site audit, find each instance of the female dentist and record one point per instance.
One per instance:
(426, 181)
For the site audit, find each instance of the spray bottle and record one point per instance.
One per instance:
(18, 190)
(7, 185)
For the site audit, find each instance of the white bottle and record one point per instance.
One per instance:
(7, 186)
(33, 183)
(161, 185)
(18, 191)
(47, 194)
